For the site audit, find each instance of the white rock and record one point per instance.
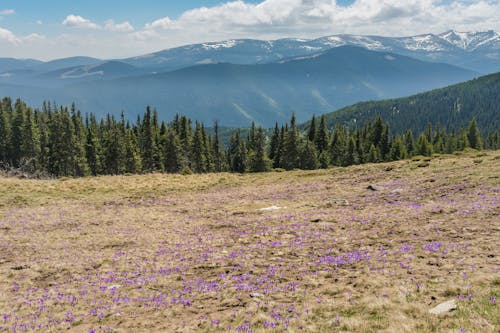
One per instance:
(270, 208)
(444, 307)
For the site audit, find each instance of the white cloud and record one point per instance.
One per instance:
(79, 22)
(110, 25)
(39, 22)
(9, 36)
(163, 23)
(6, 12)
(280, 18)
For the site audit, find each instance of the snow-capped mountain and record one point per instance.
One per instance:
(479, 51)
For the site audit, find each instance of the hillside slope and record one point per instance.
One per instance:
(312, 251)
(450, 107)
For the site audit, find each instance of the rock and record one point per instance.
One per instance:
(340, 201)
(444, 307)
(270, 208)
(20, 268)
(373, 188)
(316, 220)
(256, 295)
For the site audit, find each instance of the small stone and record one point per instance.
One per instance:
(256, 295)
(444, 307)
(340, 201)
(373, 188)
(20, 268)
(316, 220)
(270, 208)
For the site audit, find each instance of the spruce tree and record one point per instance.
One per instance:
(321, 139)
(259, 162)
(474, 136)
(311, 136)
(308, 156)
(290, 158)
(173, 160)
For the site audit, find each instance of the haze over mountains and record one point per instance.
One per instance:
(239, 81)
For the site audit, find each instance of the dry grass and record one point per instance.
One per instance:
(163, 253)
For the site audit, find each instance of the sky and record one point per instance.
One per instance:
(51, 29)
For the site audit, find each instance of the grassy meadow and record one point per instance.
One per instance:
(366, 248)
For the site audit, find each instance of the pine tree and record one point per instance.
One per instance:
(173, 160)
(290, 158)
(198, 158)
(259, 162)
(321, 139)
(217, 150)
(5, 133)
(93, 147)
(274, 146)
(17, 139)
(133, 163)
(308, 156)
(80, 167)
(31, 142)
(311, 136)
(474, 136)
(237, 153)
(424, 147)
(351, 156)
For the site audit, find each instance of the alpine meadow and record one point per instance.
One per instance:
(250, 166)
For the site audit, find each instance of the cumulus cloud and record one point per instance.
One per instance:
(316, 17)
(9, 36)
(6, 12)
(79, 22)
(110, 25)
(163, 23)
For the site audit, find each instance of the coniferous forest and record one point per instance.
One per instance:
(60, 141)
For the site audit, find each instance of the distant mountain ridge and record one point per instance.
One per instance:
(239, 81)
(464, 49)
(478, 51)
(236, 94)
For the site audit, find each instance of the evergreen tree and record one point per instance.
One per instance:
(308, 156)
(237, 153)
(217, 150)
(5, 132)
(311, 136)
(173, 159)
(321, 139)
(474, 136)
(290, 158)
(351, 156)
(274, 146)
(424, 147)
(198, 158)
(93, 147)
(259, 162)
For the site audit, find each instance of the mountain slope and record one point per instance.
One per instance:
(450, 107)
(239, 94)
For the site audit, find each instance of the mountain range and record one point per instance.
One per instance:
(238, 81)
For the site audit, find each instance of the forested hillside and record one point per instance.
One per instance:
(450, 108)
(59, 141)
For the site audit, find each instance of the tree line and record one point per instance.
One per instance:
(60, 141)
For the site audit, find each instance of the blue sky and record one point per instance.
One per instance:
(110, 28)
